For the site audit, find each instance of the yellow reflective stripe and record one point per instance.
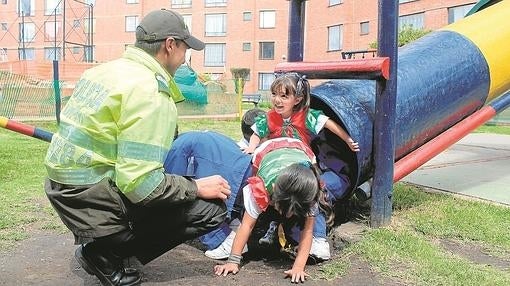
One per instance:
(141, 151)
(84, 176)
(83, 140)
(146, 186)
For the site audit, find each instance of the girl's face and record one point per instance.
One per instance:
(284, 103)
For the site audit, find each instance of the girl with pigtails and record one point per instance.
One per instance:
(291, 116)
(287, 179)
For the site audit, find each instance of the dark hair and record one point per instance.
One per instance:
(293, 83)
(296, 191)
(153, 47)
(248, 120)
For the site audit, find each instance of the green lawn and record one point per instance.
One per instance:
(408, 250)
(497, 129)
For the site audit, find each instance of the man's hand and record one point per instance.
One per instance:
(213, 187)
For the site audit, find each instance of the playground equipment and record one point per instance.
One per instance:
(443, 78)
(25, 129)
(448, 83)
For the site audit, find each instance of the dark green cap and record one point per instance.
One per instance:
(161, 24)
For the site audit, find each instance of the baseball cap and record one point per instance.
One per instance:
(160, 24)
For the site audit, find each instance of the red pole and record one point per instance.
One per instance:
(372, 68)
(429, 150)
(25, 129)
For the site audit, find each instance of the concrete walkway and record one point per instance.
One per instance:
(476, 166)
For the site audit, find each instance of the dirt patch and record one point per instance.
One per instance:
(476, 253)
(48, 259)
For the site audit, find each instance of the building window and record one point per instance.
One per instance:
(214, 55)
(405, 1)
(4, 26)
(132, 1)
(53, 7)
(51, 30)
(89, 52)
(187, 21)
(76, 23)
(335, 38)
(266, 50)
(89, 26)
(90, 2)
(265, 80)
(26, 7)
(267, 19)
(364, 28)
(181, 3)
(459, 12)
(335, 2)
(215, 25)
(26, 54)
(3, 54)
(76, 50)
(215, 3)
(4, 1)
(246, 16)
(52, 53)
(246, 47)
(131, 23)
(414, 20)
(26, 32)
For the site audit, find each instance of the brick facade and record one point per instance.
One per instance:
(110, 36)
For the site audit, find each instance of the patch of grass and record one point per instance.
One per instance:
(496, 129)
(451, 217)
(9, 238)
(230, 128)
(337, 268)
(408, 251)
(406, 197)
(21, 182)
(410, 256)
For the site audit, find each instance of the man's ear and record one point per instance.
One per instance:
(169, 43)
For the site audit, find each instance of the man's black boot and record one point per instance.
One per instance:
(106, 267)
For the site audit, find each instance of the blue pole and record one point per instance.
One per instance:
(296, 31)
(384, 123)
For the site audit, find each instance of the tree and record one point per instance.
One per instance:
(240, 75)
(406, 35)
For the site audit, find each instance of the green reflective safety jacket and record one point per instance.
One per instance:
(118, 124)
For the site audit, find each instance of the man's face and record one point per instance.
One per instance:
(176, 54)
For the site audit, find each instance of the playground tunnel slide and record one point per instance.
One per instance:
(442, 78)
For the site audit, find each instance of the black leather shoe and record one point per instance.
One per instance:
(109, 271)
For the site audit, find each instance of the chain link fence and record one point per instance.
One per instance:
(25, 97)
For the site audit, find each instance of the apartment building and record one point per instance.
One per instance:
(238, 33)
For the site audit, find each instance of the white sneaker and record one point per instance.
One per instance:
(320, 248)
(223, 250)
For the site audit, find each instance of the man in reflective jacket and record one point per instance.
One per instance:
(105, 164)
